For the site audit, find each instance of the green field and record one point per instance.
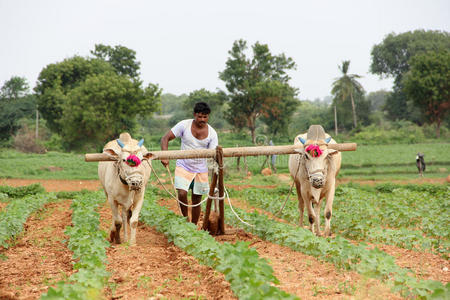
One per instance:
(368, 162)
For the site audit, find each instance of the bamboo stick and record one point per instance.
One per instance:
(227, 152)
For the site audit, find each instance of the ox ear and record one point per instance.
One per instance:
(148, 155)
(111, 153)
(328, 139)
(121, 144)
(141, 142)
(302, 140)
(333, 152)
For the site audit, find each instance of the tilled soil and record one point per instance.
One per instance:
(303, 275)
(38, 258)
(155, 268)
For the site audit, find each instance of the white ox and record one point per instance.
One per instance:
(124, 184)
(315, 176)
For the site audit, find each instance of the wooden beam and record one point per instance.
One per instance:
(227, 152)
(219, 156)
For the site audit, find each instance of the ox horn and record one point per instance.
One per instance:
(121, 144)
(141, 142)
(302, 140)
(328, 139)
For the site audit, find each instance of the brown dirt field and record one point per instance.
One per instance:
(303, 275)
(52, 185)
(38, 258)
(155, 268)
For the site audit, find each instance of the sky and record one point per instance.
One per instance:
(183, 45)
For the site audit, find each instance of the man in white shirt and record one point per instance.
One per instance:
(192, 173)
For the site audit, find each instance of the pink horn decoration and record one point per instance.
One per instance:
(314, 150)
(133, 160)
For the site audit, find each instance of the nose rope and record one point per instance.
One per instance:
(124, 181)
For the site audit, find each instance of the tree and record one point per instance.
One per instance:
(428, 85)
(75, 94)
(391, 58)
(215, 101)
(121, 58)
(311, 112)
(56, 80)
(171, 103)
(14, 88)
(347, 87)
(15, 103)
(278, 106)
(244, 79)
(377, 99)
(103, 106)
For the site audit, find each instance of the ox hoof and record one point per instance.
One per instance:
(114, 237)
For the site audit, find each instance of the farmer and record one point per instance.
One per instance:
(192, 173)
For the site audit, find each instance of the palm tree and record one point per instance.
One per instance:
(346, 87)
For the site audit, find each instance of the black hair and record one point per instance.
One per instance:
(202, 107)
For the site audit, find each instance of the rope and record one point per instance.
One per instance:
(236, 215)
(173, 185)
(212, 197)
(290, 191)
(172, 195)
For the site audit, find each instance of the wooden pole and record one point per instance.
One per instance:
(212, 187)
(227, 152)
(221, 191)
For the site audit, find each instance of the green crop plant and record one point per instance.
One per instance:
(17, 212)
(88, 244)
(250, 277)
(339, 251)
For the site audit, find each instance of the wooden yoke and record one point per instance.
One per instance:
(227, 152)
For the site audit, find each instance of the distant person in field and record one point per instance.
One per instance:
(192, 173)
(420, 162)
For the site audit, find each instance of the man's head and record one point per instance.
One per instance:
(202, 107)
(201, 113)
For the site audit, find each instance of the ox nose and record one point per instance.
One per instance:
(317, 181)
(135, 183)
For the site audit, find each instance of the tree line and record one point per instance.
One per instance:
(88, 100)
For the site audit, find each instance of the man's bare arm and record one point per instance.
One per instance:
(165, 144)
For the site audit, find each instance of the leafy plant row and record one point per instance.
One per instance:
(88, 244)
(250, 277)
(7, 192)
(401, 217)
(339, 251)
(366, 215)
(17, 212)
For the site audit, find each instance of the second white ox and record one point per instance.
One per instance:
(124, 182)
(314, 170)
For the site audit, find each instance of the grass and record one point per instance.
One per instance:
(368, 162)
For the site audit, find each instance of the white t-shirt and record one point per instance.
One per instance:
(188, 141)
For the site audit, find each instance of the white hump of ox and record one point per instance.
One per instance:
(124, 181)
(314, 170)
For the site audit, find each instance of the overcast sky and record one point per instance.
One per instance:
(183, 45)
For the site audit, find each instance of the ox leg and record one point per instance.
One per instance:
(317, 217)
(301, 203)
(114, 233)
(135, 217)
(125, 223)
(311, 215)
(329, 211)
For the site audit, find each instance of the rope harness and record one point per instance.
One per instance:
(216, 170)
